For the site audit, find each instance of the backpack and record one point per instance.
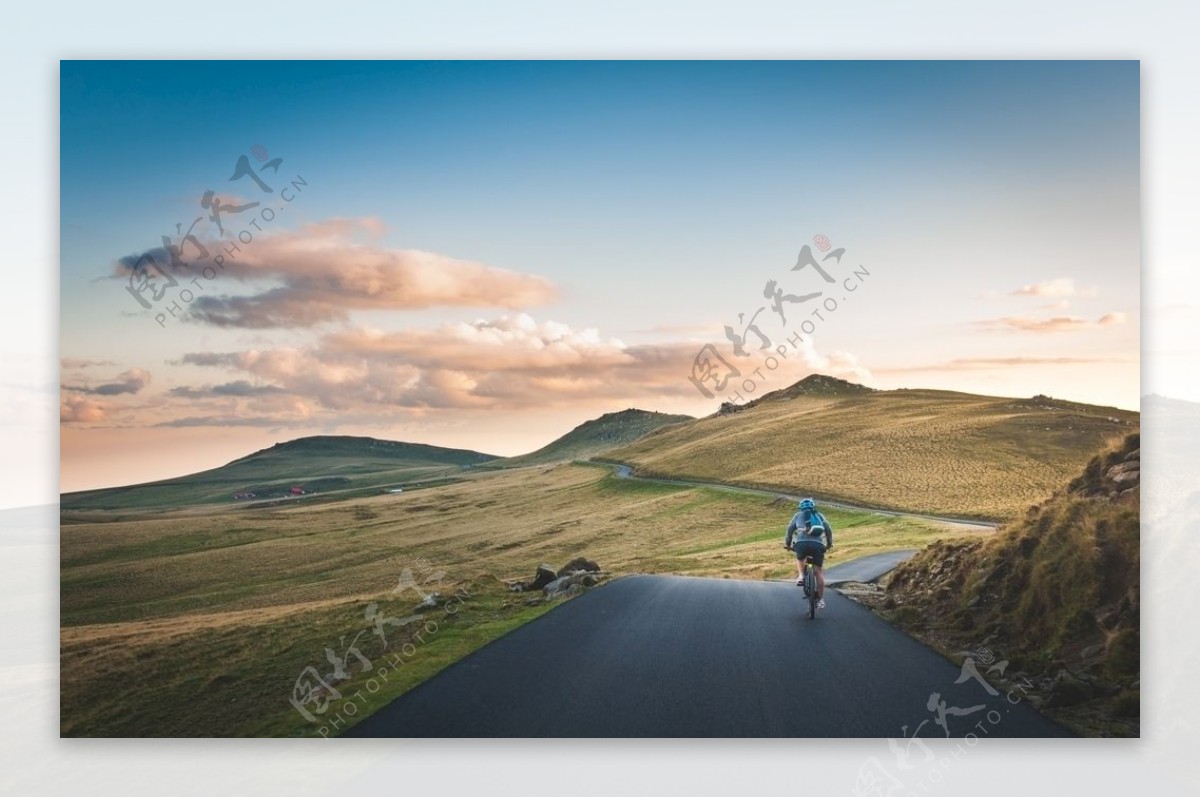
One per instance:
(819, 525)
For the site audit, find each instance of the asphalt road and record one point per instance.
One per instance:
(865, 569)
(669, 656)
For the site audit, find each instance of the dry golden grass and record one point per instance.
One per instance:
(922, 451)
(200, 624)
(1057, 589)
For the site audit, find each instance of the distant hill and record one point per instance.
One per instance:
(937, 452)
(1056, 593)
(315, 464)
(598, 436)
(322, 446)
(812, 385)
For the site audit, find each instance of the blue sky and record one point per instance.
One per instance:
(656, 198)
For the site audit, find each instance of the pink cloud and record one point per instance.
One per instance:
(130, 381)
(507, 363)
(997, 363)
(323, 271)
(1056, 288)
(1051, 324)
(80, 410)
(82, 363)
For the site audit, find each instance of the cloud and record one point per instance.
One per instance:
(992, 363)
(235, 388)
(231, 421)
(129, 382)
(708, 330)
(840, 364)
(80, 409)
(1051, 324)
(507, 343)
(508, 363)
(82, 363)
(323, 271)
(1056, 288)
(1061, 304)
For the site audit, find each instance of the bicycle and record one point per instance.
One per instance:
(809, 582)
(810, 587)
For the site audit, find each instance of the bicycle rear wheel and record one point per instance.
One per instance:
(810, 585)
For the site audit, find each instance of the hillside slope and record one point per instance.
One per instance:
(937, 452)
(1056, 593)
(315, 464)
(598, 436)
(199, 623)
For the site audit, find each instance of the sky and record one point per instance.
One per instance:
(486, 254)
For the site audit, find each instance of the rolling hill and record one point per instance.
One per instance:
(927, 451)
(597, 436)
(315, 464)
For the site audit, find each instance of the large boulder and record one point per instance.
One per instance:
(544, 576)
(570, 584)
(579, 564)
(563, 586)
(1125, 473)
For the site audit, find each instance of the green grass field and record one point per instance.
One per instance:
(199, 623)
(184, 612)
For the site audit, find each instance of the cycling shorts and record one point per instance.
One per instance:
(810, 547)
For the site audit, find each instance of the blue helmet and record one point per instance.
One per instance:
(808, 504)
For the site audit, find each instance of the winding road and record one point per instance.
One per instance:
(625, 471)
(667, 656)
(673, 656)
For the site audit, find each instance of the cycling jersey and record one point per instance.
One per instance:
(809, 525)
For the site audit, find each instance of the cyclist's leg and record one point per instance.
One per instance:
(819, 569)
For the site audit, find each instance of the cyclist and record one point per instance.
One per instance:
(803, 536)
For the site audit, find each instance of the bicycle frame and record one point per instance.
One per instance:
(810, 587)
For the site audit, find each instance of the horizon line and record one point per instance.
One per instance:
(1141, 398)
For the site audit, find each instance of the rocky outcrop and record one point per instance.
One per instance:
(579, 564)
(570, 585)
(543, 576)
(572, 578)
(1112, 475)
(1055, 594)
